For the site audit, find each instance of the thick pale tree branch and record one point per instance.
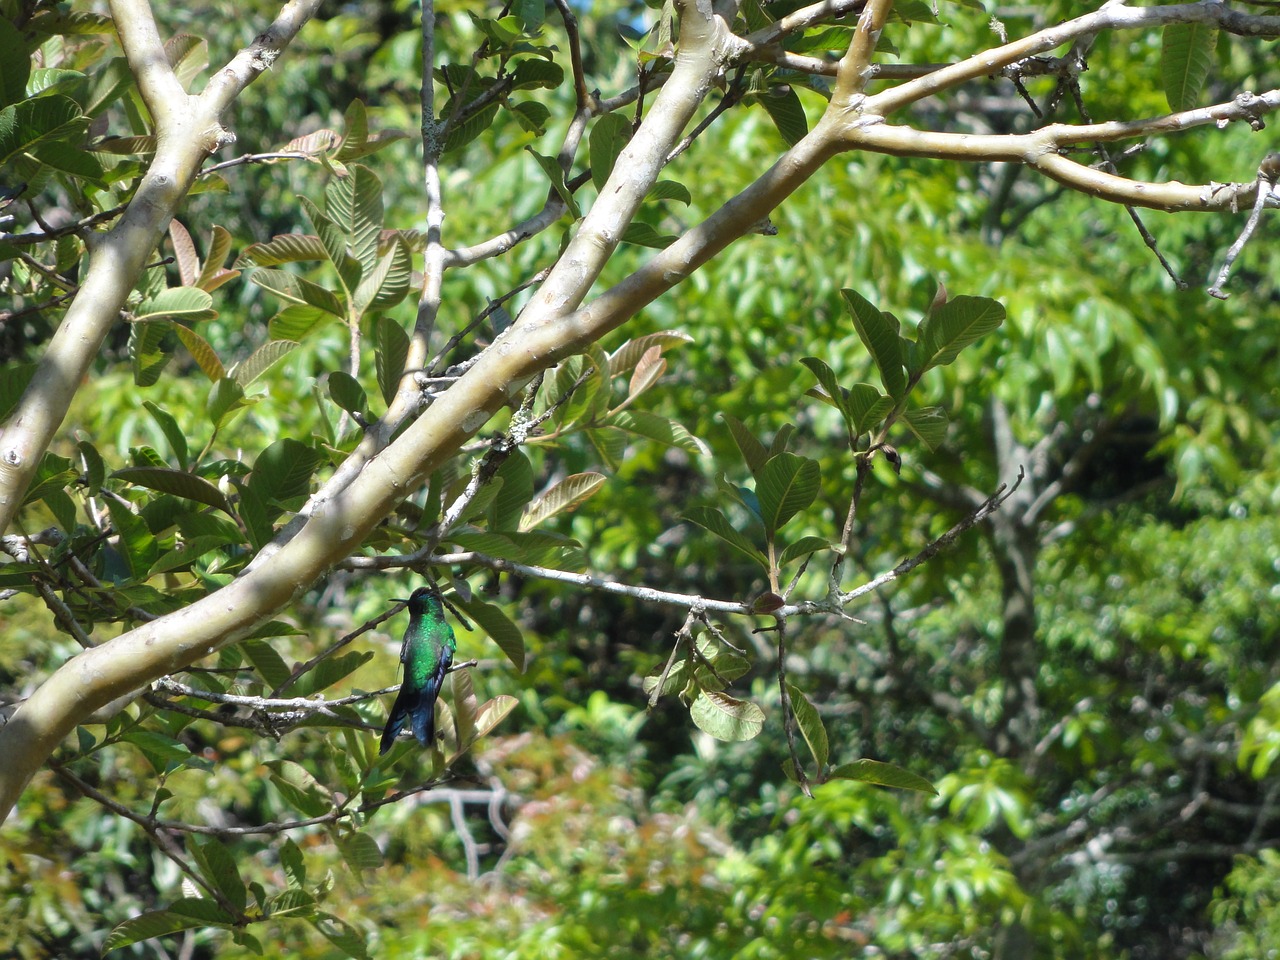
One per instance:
(1039, 151)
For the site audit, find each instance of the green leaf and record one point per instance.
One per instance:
(295, 289)
(929, 424)
(497, 625)
(150, 347)
(188, 55)
(884, 774)
(913, 11)
(13, 383)
(296, 321)
(516, 475)
(725, 717)
(866, 407)
(670, 190)
(879, 334)
(493, 712)
(861, 406)
(392, 347)
(787, 484)
(266, 661)
(659, 428)
(531, 14)
(645, 235)
(536, 72)
(1185, 57)
(551, 167)
(752, 450)
(137, 543)
(717, 666)
(395, 271)
(802, 548)
(181, 558)
(532, 116)
(189, 913)
(299, 788)
(212, 273)
(715, 522)
(677, 678)
(536, 547)
(159, 749)
(341, 934)
(187, 304)
(69, 160)
(95, 470)
(283, 471)
(225, 398)
(169, 427)
(360, 851)
(219, 867)
(786, 112)
(261, 360)
(54, 473)
(179, 483)
(560, 498)
(62, 507)
(609, 135)
(354, 203)
(347, 392)
(30, 123)
(330, 671)
(815, 734)
(624, 359)
(201, 352)
(952, 327)
(295, 870)
(284, 248)
(15, 63)
(470, 128)
(355, 128)
(294, 902)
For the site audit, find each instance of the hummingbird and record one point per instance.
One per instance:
(426, 654)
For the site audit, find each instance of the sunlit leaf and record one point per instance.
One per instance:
(725, 717)
(560, 498)
(884, 774)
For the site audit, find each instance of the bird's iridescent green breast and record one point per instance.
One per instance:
(428, 638)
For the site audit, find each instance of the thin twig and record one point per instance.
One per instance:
(1267, 176)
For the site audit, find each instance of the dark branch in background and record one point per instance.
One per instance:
(333, 648)
(155, 830)
(586, 100)
(53, 233)
(788, 709)
(154, 826)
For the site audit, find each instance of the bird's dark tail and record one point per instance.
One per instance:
(395, 721)
(419, 707)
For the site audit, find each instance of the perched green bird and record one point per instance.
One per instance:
(426, 654)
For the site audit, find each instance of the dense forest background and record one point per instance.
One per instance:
(1087, 676)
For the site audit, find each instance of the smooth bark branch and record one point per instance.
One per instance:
(140, 38)
(1117, 17)
(1039, 151)
(705, 40)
